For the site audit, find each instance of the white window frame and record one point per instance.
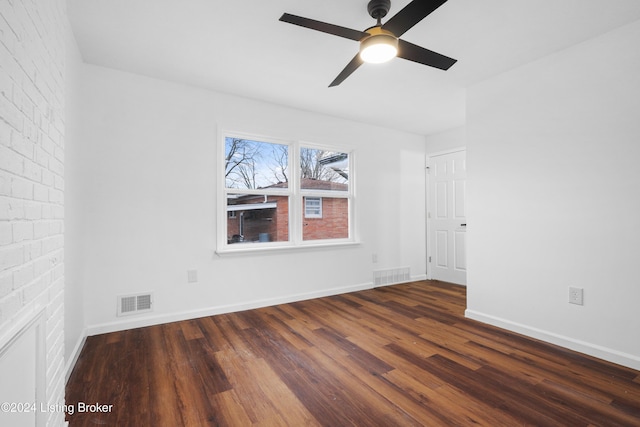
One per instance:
(294, 193)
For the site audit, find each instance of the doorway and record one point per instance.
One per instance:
(447, 217)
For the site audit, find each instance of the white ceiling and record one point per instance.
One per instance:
(240, 47)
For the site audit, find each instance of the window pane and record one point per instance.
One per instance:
(323, 170)
(313, 207)
(257, 218)
(332, 224)
(254, 164)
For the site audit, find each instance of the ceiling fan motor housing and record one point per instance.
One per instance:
(378, 9)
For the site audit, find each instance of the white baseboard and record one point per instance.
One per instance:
(608, 354)
(75, 354)
(157, 319)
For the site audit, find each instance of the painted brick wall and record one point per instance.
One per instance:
(32, 63)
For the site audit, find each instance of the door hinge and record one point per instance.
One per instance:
(429, 259)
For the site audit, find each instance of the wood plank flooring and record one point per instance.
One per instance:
(401, 355)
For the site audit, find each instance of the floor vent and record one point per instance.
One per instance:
(391, 276)
(134, 304)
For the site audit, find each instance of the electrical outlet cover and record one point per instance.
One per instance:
(576, 296)
(192, 276)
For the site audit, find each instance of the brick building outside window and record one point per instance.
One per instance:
(260, 218)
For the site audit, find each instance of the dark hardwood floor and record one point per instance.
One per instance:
(401, 355)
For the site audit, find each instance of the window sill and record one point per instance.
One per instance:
(258, 248)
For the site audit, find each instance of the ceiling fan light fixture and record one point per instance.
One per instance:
(381, 43)
(381, 46)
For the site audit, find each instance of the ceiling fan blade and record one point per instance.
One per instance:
(348, 70)
(412, 13)
(336, 30)
(424, 56)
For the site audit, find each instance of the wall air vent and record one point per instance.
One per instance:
(391, 276)
(134, 304)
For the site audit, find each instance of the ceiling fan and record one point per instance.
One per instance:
(381, 42)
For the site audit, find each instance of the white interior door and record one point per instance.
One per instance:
(447, 220)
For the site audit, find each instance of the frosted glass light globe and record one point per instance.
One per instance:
(379, 47)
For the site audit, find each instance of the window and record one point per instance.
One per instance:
(313, 207)
(283, 194)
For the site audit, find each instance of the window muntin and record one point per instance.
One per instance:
(265, 189)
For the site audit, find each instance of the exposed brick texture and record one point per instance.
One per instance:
(334, 223)
(274, 222)
(33, 36)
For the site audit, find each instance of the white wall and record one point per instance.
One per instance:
(74, 323)
(447, 140)
(33, 39)
(553, 197)
(146, 196)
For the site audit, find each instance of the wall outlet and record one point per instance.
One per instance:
(576, 296)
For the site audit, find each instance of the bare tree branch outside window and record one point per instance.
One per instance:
(253, 164)
(313, 166)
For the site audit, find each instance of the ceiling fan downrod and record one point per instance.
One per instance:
(378, 9)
